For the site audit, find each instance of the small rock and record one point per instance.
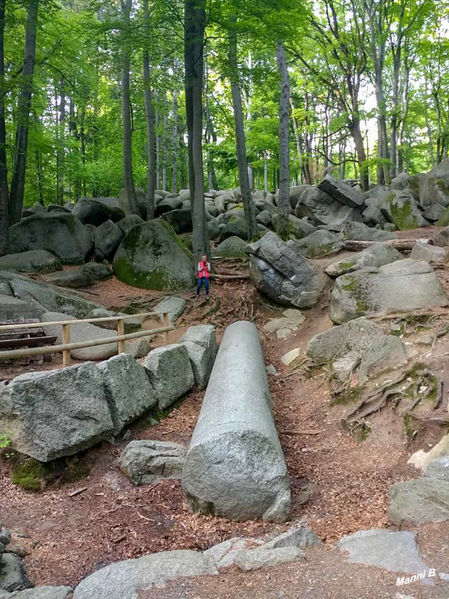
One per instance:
(283, 333)
(12, 573)
(295, 537)
(224, 553)
(146, 462)
(290, 356)
(271, 370)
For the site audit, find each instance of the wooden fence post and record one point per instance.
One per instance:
(166, 324)
(66, 339)
(120, 331)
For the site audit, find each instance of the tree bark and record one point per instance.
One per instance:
(3, 161)
(60, 148)
(194, 26)
(174, 186)
(240, 143)
(23, 114)
(150, 122)
(284, 148)
(128, 177)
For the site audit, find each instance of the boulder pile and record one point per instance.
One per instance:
(51, 414)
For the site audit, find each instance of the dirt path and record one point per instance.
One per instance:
(345, 480)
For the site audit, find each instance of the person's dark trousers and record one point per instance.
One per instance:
(206, 285)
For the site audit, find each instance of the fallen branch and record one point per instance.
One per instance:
(355, 245)
(230, 277)
(77, 491)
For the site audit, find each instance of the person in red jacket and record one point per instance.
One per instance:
(203, 276)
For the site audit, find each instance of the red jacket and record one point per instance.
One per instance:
(203, 269)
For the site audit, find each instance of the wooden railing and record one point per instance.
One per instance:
(67, 346)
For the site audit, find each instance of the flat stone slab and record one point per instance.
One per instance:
(402, 285)
(173, 305)
(16, 311)
(125, 579)
(224, 553)
(254, 559)
(295, 537)
(393, 551)
(31, 261)
(421, 500)
(40, 593)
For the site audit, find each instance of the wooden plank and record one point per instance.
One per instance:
(29, 342)
(120, 333)
(20, 353)
(66, 341)
(91, 320)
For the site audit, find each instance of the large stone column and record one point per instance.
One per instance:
(235, 467)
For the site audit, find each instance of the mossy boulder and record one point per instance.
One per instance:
(399, 286)
(32, 261)
(401, 208)
(62, 234)
(151, 256)
(232, 247)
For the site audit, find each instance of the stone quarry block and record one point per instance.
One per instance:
(128, 389)
(170, 373)
(56, 413)
(201, 344)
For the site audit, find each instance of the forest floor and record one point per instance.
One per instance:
(339, 483)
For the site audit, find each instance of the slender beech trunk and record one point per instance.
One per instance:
(174, 186)
(194, 26)
(23, 115)
(150, 122)
(60, 146)
(164, 151)
(158, 149)
(3, 161)
(284, 149)
(265, 172)
(128, 177)
(248, 204)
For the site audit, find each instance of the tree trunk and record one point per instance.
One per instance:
(248, 204)
(194, 26)
(23, 114)
(284, 149)
(3, 160)
(128, 177)
(265, 172)
(150, 124)
(60, 148)
(174, 187)
(356, 133)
